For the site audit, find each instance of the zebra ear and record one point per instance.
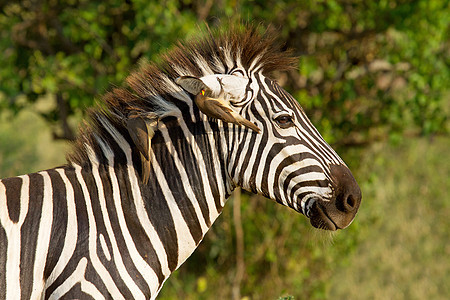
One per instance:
(141, 131)
(191, 84)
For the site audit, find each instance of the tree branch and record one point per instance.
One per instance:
(240, 264)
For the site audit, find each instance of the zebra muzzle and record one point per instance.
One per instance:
(320, 219)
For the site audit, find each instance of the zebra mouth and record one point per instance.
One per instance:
(320, 219)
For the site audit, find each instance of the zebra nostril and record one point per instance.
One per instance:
(350, 203)
(347, 202)
(347, 191)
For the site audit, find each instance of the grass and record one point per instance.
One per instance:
(404, 225)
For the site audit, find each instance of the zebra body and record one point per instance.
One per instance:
(137, 197)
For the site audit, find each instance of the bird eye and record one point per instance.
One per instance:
(284, 121)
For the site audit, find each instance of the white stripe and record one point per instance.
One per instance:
(225, 151)
(233, 147)
(12, 231)
(70, 240)
(255, 61)
(271, 139)
(324, 192)
(104, 247)
(190, 139)
(134, 289)
(150, 230)
(43, 238)
(228, 56)
(279, 158)
(147, 272)
(185, 241)
(247, 152)
(311, 176)
(96, 263)
(77, 277)
(216, 162)
(217, 63)
(238, 133)
(184, 178)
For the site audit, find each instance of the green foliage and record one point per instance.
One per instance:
(368, 70)
(76, 49)
(26, 145)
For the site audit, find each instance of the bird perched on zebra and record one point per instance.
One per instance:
(152, 169)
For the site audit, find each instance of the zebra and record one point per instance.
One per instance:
(153, 166)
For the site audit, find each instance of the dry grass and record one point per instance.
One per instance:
(403, 250)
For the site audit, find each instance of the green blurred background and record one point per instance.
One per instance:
(374, 78)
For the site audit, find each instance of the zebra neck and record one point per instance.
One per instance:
(185, 194)
(188, 186)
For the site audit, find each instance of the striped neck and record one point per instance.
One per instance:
(189, 172)
(187, 190)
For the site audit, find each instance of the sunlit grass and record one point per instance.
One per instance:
(404, 224)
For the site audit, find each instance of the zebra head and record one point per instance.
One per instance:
(274, 149)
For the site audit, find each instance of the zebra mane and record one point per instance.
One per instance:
(151, 90)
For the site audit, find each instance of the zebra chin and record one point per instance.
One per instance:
(324, 214)
(339, 211)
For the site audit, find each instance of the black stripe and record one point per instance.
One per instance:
(222, 164)
(264, 139)
(159, 215)
(134, 227)
(251, 146)
(59, 223)
(3, 254)
(175, 184)
(295, 188)
(13, 190)
(300, 171)
(208, 157)
(76, 293)
(29, 233)
(300, 197)
(192, 168)
(129, 211)
(241, 135)
(286, 162)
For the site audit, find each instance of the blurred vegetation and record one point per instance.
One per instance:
(371, 75)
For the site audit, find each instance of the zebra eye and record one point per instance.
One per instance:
(284, 121)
